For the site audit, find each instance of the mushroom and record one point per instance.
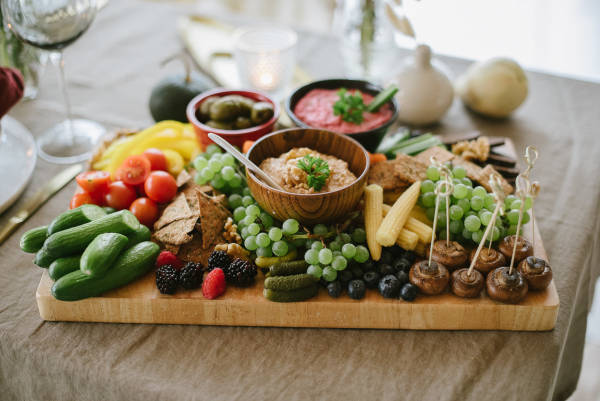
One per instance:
(431, 278)
(449, 253)
(536, 271)
(467, 285)
(503, 286)
(524, 248)
(488, 259)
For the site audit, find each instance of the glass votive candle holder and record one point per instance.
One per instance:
(265, 58)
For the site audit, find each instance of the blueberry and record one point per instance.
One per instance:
(408, 292)
(345, 275)
(356, 289)
(410, 256)
(386, 256)
(402, 264)
(334, 289)
(402, 276)
(385, 269)
(371, 279)
(369, 266)
(356, 271)
(396, 251)
(389, 286)
(323, 282)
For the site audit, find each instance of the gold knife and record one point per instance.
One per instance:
(52, 187)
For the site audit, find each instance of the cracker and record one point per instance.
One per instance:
(484, 176)
(176, 210)
(177, 232)
(440, 154)
(194, 252)
(408, 168)
(183, 178)
(472, 169)
(212, 219)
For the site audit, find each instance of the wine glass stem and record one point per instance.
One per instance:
(60, 61)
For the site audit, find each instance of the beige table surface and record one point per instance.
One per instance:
(110, 72)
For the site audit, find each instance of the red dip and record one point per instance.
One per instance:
(316, 109)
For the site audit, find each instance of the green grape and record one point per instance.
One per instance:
(335, 245)
(246, 192)
(362, 254)
(495, 233)
(359, 235)
(509, 200)
(199, 180)
(252, 210)
(472, 223)
(479, 191)
(280, 248)
(315, 271)
(470, 213)
(317, 246)
(459, 172)
(247, 200)
(325, 256)
(250, 243)
(467, 182)
(290, 226)
(460, 191)
(264, 252)
(348, 250)
(427, 186)
(329, 273)
(513, 217)
(339, 263)
(299, 243)
(212, 149)
(266, 219)
(528, 203)
(248, 220)
(430, 212)
(526, 218)
(346, 238)
(477, 236)
(428, 199)
(214, 164)
(456, 226)
(235, 181)
(275, 234)
(207, 174)
(433, 173)
(476, 202)
(217, 182)
(262, 239)
(253, 229)
(442, 203)
(485, 217)
(516, 204)
(511, 230)
(228, 160)
(442, 235)
(441, 223)
(234, 201)
(320, 229)
(200, 162)
(498, 223)
(244, 232)
(456, 181)
(466, 234)
(456, 212)
(464, 204)
(227, 172)
(489, 201)
(239, 213)
(337, 253)
(312, 257)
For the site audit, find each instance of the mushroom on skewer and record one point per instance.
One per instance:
(536, 271)
(523, 250)
(488, 259)
(449, 253)
(431, 277)
(504, 286)
(465, 284)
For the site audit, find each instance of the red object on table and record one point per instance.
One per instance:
(11, 88)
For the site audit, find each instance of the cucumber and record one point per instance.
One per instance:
(43, 258)
(288, 268)
(140, 235)
(132, 264)
(101, 253)
(109, 209)
(288, 283)
(301, 294)
(62, 266)
(32, 240)
(382, 98)
(75, 217)
(75, 239)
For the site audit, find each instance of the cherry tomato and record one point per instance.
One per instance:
(160, 186)
(157, 158)
(80, 198)
(134, 170)
(146, 211)
(119, 195)
(94, 182)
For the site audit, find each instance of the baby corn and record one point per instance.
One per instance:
(394, 221)
(373, 217)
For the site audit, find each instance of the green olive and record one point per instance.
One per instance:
(242, 123)
(203, 113)
(220, 124)
(261, 112)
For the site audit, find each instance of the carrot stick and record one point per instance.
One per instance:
(246, 146)
(377, 157)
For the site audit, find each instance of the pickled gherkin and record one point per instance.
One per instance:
(261, 112)
(301, 294)
(289, 283)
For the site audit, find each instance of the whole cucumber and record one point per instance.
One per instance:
(43, 258)
(101, 253)
(75, 217)
(62, 266)
(141, 234)
(32, 240)
(132, 264)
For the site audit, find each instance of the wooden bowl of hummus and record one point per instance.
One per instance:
(323, 174)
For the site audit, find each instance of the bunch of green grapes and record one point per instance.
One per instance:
(218, 169)
(327, 259)
(470, 209)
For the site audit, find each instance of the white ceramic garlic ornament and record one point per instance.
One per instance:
(425, 93)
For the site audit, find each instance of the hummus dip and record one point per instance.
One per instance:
(285, 171)
(316, 110)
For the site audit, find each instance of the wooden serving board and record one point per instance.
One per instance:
(140, 302)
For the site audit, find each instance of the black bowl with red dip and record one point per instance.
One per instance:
(312, 106)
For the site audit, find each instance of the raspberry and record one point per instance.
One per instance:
(168, 258)
(214, 284)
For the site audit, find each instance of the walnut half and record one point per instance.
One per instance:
(230, 232)
(233, 250)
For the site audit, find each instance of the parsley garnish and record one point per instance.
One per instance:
(349, 106)
(317, 171)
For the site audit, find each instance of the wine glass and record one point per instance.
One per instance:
(52, 25)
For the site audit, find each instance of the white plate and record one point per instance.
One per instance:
(17, 160)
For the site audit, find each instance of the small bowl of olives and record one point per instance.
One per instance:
(235, 115)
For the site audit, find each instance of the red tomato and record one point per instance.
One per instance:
(160, 186)
(146, 211)
(134, 170)
(119, 195)
(80, 198)
(157, 158)
(94, 182)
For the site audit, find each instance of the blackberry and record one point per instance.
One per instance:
(334, 289)
(408, 292)
(190, 276)
(389, 286)
(371, 279)
(167, 279)
(356, 289)
(240, 272)
(218, 259)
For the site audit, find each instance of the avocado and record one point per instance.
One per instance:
(170, 97)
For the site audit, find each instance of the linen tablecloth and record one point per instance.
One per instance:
(110, 71)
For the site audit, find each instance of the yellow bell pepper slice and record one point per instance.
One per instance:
(187, 148)
(174, 161)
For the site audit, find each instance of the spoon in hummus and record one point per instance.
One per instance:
(244, 160)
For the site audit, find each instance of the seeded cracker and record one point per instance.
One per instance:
(176, 210)
(177, 232)
(212, 219)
